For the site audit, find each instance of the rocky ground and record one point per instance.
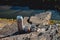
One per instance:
(40, 28)
(42, 33)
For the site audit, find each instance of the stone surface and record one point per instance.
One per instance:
(42, 18)
(25, 20)
(8, 30)
(50, 34)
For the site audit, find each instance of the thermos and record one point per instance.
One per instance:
(20, 23)
(21, 27)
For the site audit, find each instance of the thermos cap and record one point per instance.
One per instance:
(19, 17)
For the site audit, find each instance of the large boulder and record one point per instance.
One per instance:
(42, 18)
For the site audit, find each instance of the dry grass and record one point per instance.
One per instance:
(4, 22)
(54, 21)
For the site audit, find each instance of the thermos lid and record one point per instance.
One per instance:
(19, 17)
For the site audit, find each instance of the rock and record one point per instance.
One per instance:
(8, 30)
(25, 20)
(41, 30)
(31, 36)
(27, 27)
(35, 20)
(33, 28)
(42, 18)
(43, 38)
(50, 34)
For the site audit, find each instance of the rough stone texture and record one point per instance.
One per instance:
(17, 37)
(42, 38)
(8, 30)
(31, 36)
(35, 20)
(43, 32)
(50, 34)
(42, 18)
(25, 20)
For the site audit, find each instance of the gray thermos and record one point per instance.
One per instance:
(20, 23)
